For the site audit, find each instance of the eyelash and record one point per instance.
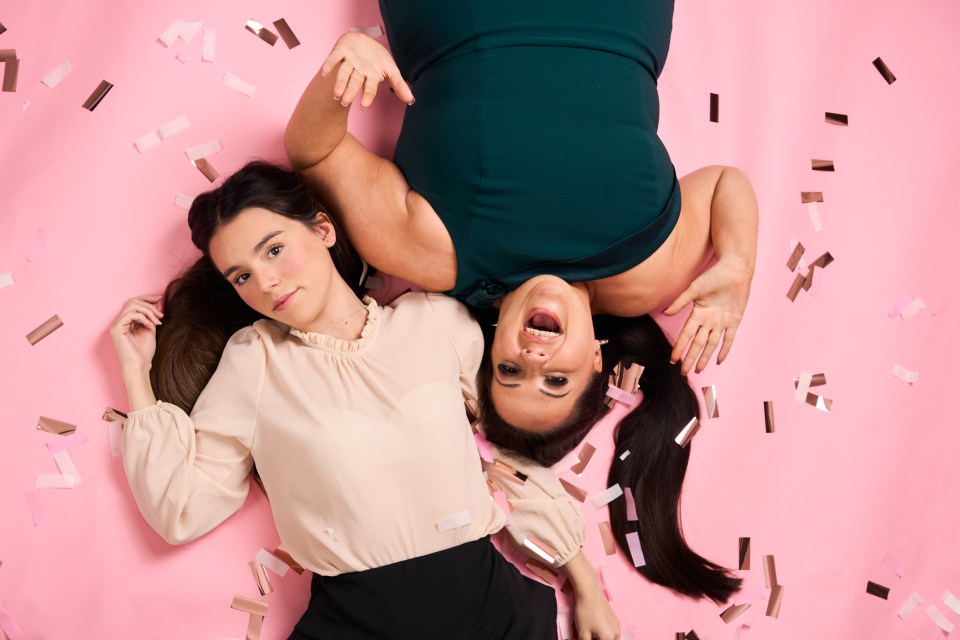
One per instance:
(507, 370)
(242, 277)
(553, 381)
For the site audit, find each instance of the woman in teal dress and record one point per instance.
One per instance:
(528, 176)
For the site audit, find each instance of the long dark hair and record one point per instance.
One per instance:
(656, 466)
(201, 310)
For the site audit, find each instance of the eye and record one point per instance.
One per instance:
(240, 279)
(556, 381)
(274, 250)
(507, 370)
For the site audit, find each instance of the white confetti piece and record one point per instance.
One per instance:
(951, 601)
(455, 521)
(190, 30)
(606, 497)
(54, 481)
(541, 549)
(146, 141)
(912, 309)
(172, 32)
(183, 200)
(939, 619)
(272, 562)
(114, 431)
(203, 150)
(814, 213)
(374, 32)
(209, 44)
(623, 456)
(6, 280)
(803, 386)
(238, 84)
(636, 552)
(66, 466)
(909, 605)
(905, 374)
(176, 125)
(54, 77)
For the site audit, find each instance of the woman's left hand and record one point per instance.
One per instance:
(361, 64)
(719, 297)
(594, 617)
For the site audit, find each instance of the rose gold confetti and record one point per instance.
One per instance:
(714, 107)
(733, 611)
(776, 598)
(691, 635)
(544, 573)
(822, 165)
(811, 196)
(795, 287)
(98, 95)
(710, 401)
(284, 555)
(261, 32)
(3, 29)
(207, 169)
(261, 578)
(802, 384)
(819, 402)
(795, 256)
(884, 71)
(112, 415)
(586, 453)
(838, 119)
(286, 33)
(768, 416)
(575, 492)
(44, 330)
(816, 380)
(770, 571)
(744, 554)
(11, 69)
(686, 434)
(509, 472)
(875, 589)
(256, 607)
(823, 261)
(606, 535)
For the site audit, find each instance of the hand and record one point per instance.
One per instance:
(594, 617)
(719, 296)
(134, 333)
(362, 63)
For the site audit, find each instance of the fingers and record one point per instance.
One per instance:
(696, 346)
(683, 340)
(141, 310)
(354, 84)
(400, 87)
(682, 300)
(728, 336)
(712, 341)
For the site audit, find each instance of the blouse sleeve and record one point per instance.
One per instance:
(190, 473)
(465, 336)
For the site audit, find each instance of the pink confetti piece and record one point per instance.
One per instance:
(803, 386)
(905, 374)
(272, 562)
(891, 563)
(606, 497)
(743, 628)
(260, 577)
(40, 244)
(373, 32)
(53, 78)
(564, 623)
(636, 552)
(209, 45)
(500, 498)
(484, 447)
(6, 280)
(814, 214)
(586, 453)
(203, 150)
(65, 442)
(191, 51)
(455, 521)
(939, 619)
(190, 30)
(8, 624)
(909, 605)
(631, 505)
(618, 394)
(114, 431)
(951, 601)
(902, 303)
(168, 37)
(183, 200)
(36, 506)
(238, 84)
(146, 141)
(66, 466)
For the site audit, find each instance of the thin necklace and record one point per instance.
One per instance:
(343, 319)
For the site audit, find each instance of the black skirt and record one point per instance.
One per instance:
(469, 592)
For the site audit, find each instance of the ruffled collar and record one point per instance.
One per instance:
(330, 343)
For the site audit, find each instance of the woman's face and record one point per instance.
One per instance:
(279, 266)
(544, 353)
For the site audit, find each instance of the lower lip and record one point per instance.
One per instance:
(284, 302)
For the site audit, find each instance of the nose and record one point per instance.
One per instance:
(533, 354)
(268, 280)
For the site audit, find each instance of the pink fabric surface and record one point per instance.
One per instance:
(827, 494)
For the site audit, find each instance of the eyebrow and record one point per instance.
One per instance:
(543, 391)
(267, 238)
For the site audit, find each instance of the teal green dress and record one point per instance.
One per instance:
(534, 134)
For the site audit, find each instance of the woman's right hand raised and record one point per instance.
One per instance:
(134, 333)
(362, 64)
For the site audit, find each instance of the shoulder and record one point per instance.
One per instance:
(257, 335)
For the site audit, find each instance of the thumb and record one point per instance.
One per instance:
(682, 300)
(401, 88)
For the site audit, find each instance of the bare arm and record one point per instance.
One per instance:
(593, 615)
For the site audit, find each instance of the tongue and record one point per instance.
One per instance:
(544, 322)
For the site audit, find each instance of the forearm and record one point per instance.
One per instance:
(733, 219)
(139, 390)
(318, 124)
(581, 574)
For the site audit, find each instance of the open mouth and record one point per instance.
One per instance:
(542, 324)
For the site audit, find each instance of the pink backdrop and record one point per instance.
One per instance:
(828, 494)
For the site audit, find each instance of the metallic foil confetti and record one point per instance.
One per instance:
(744, 554)
(11, 69)
(811, 196)
(272, 562)
(679, 635)
(53, 78)
(905, 374)
(254, 627)
(939, 619)
(909, 605)
(544, 573)
(575, 492)
(2, 28)
(731, 613)
(714, 107)
(112, 415)
(209, 51)
(795, 287)
(606, 496)
(776, 598)
(454, 521)
(636, 551)
(373, 32)
(606, 535)
(631, 505)
(884, 71)
(509, 472)
(168, 37)
(286, 33)
(686, 434)
(710, 401)
(891, 563)
(256, 607)
(795, 256)
(207, 169)
(237, 84)
(36, 506)
(770, 572)
(98, 95)
(55, 426)
(540, 548)
(875, 589)
(6, 280)
(691, 635)
(44, 330)
(823, 261)
(261, 32)
(838, 119)
(261, 578)
(816, 380)
(768, 418)
(586, 453)
(284, 555)
(822, 165)
(819, 402)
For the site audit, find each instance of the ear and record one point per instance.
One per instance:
(325, 228)
(598, 359)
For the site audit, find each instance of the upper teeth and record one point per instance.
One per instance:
(543, 333)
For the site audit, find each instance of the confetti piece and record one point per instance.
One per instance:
(564, 623)
(176, 125)
(622, 396)
(66, 466)
(54, 481)
(710, 401)
(951, 601)
(26, 104)
(915, 307)
(814, 214)
(768, 417)
(606, 535)
(168, 37)
(6, 280)
(819, 402)
(53, 78)
(373, 32)
(742, 627)
(541, 549)
(939, 619)
(500, 498)
(686, 434)
(44, 330)
(744, 554)
(484, 447)
(67, 441)
(98, 95)
(208, 53)
(575, 492)
(905, 374)
(272, 562)
(112, 415)
(902, 303)
(823, 261)
(875, 589)
(623, 456)
(284, 555)
(455, 521)
(3, 29)
(7, 623)
(256, 607)
(733, 612)
(691, 635)
(816, 380)
(261, 32)
(509, 472)
(11, 69)
(838, 119)
(822, 165)
(286, 33)
(203, 150)
(55, 426)
(146, 141)
(803, 385)
(207, 169)
(795, 287)
(811, 196)
(36, 506)
(776, 598)
(586, 453)
(909, 605)
(631, 505)
(237, 84)
(884, 71)
(606, 497)
(795, 256)
(375, 283)
(183, 200)
(629, 632)
(114, 431)
(261, 578)
(636, 551)
(891, 563)
(714, 107)
(190, 30)
(770, 572)
(544, 573)
(40, 242)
